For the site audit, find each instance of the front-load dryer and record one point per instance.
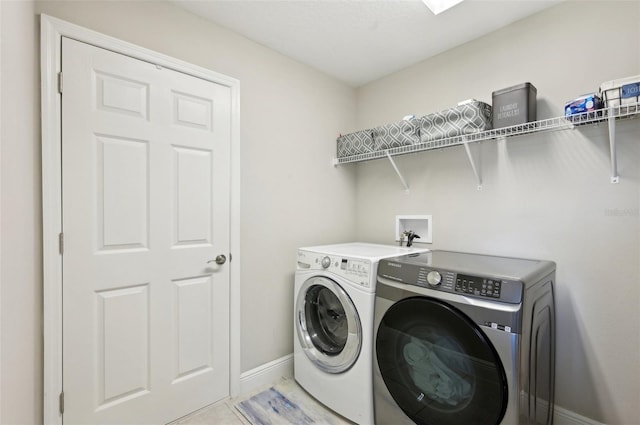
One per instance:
(333, 324)
(464, 339)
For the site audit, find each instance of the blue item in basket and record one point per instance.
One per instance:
(630, 90)
(583, 104)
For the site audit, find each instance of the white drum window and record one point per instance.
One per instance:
(328, 325)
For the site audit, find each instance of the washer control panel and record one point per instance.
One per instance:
(354, 267)
(355, 270)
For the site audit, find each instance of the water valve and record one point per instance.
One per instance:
(411, 235)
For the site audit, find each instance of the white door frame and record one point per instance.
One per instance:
(52, 31)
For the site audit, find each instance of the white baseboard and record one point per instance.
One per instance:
(562, 416)
(266, 374)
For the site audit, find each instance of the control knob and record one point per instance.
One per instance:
(434, 278)
(326, 262)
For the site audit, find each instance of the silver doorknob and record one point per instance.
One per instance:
(220, 259)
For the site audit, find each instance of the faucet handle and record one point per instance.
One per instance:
(411, 235)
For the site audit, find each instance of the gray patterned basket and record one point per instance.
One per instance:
(469, 118)
(405, 132)
(355, 143)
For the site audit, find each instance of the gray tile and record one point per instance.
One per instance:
(219, 414)
(225, 413)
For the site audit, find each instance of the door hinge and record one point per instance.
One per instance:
(62, 402)
(60, 82)
(61, 242)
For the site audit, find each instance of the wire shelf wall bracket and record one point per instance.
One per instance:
(612, 149)
(395, 167)
(610, 115)
(473, 165)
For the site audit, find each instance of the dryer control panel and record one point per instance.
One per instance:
(447, 280)
(460, 283)
(482, 286)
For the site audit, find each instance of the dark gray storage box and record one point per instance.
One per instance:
(514, 105)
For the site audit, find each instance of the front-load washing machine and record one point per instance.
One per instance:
(464, 339)
(333, 324)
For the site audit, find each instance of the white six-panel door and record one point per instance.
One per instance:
(145, 184)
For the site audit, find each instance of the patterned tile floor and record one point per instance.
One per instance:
(225, 413)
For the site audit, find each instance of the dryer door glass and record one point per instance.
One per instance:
(328, 325)
(439, 367)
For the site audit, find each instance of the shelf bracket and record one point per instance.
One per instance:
(473, 165)
(395, 167)
(612, 147)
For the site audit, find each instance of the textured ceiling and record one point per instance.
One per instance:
(359, 41)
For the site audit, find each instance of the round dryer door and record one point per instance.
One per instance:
(328, 325)
(439, 367)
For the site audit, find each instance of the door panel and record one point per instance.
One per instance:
(193, 324)
(123, 333)
(145, 160)
(192, 169)
(122, 192)
(192, 111)
(117, 93)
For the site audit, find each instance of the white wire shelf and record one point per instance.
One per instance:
(558, 123)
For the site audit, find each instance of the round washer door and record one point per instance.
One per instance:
(439, 367)
(328, 325)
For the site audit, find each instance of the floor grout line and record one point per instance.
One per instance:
(225, 412)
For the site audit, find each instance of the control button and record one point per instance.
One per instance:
(434, 278)
(326, 262)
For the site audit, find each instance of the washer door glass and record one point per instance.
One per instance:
(328, 325)
(439, 367)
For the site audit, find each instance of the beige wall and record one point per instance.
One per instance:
(20, 219)
(544, 196)
(289, 116)
(291, 195)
